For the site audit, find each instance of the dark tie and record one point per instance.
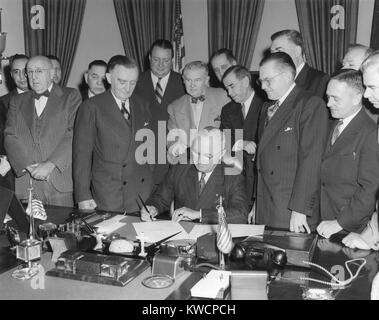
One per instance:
(159, 91)
(336, 132)
(36, 95)
(271, 111)
(124, 111)
(197, 99)
(201, 183)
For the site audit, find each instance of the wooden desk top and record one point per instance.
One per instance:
(331, 255)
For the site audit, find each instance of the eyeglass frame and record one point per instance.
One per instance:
(267, 80)
(38, 72)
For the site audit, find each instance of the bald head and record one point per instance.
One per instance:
(40, 73)
(355, 56)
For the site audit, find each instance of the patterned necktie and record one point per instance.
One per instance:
(197, 99)
(159, 91)
(124, 111)
(271, 111)
(336, 132)
(201, 183)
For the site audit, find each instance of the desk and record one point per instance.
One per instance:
(327, 254)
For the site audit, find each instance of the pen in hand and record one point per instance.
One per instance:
(147, 210)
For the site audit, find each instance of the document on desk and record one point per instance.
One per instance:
(111, 225)
(157, 230)
(237, 230)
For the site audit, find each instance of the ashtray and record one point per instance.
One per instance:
(158, 281)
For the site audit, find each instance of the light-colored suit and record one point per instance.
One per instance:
(54, 143)
(181, 115)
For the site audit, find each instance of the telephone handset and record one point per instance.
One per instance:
(258, 254)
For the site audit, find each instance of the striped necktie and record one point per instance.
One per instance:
(271, 111)
(159, 91)
(124, 111)
(201, 183)
(336, 132)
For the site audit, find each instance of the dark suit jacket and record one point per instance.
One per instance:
(104, 149)
(8, 180)
(350, 174)
(173, 91)
(313, 80)
(55, 143)
(181, 184)
(289, 159)
(232, 118)
(7, 97)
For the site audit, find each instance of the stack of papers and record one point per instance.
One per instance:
(215, 281)
(110, 225)
(158, 230)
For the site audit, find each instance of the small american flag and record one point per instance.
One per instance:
(178, 42)
(36, 209)
(224, 236)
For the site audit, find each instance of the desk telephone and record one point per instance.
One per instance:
(257, 254)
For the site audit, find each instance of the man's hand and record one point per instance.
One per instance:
(146, 216)
(248, 146)
(185, 213)
(177, 149)
(354, 240)
(328, 228)
(87, 205)
(41, 171)
(4, 166)
(298, 223)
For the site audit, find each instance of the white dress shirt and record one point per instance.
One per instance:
(40, 104)
(347, 120)
(119, 103)
(246, 105)
(163, 81)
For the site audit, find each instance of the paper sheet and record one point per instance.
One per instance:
(210, 286)
(237, 230)
(158, 230)
(111, 225)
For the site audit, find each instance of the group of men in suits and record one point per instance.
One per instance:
(298, 167)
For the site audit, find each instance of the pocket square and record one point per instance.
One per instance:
(145, 124)
(288, 129)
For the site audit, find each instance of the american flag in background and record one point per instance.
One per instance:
(178, 42)
(224, 236)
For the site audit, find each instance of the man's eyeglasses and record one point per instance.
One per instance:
(267, 81)
(37, 72)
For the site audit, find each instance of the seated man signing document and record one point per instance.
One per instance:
(196, 187)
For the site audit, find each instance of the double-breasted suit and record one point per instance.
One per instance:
(174, 90)
(30, 139)
(106, 163)
(312, 80)
(350, 174)
(289, 160)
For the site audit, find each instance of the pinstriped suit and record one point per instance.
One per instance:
(289, 159)
(104, 148)
(25, 147)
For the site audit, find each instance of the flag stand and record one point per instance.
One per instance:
(222, 261)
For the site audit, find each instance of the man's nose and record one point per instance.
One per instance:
(366, 94)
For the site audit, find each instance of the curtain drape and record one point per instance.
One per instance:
(328, 27)
(375, 27)
(59, 35)
(234, 25)
(141, 22)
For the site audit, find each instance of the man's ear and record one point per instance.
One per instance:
(52, 74)
(108, 76)
(86, 77)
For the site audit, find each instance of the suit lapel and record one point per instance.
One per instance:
(192, 184)
(280, 118)
(253, 109)
(27, 110)
(212, 187)
(351, 130)
(187, 113)
(207, 109)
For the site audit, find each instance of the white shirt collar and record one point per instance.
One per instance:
(163, 82)
(90, 94)
(119, 102)
(247, 103)
(347, 120)
(299, 68)
(19, 91)
(286, 94)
